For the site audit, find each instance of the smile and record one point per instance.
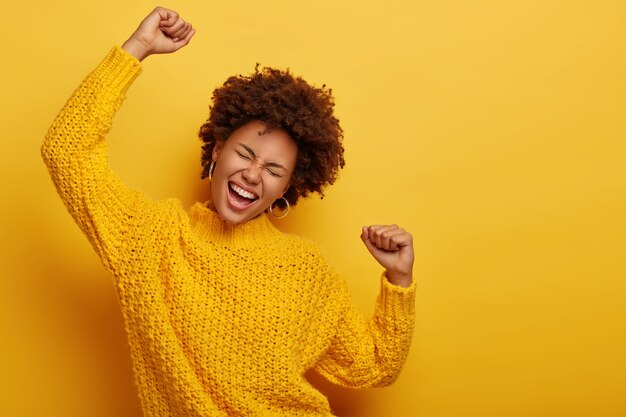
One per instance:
(240, 199)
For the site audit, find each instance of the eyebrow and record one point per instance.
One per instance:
(269, 164)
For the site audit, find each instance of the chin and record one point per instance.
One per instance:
(234, 220)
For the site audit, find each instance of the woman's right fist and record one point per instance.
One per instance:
(161, 32)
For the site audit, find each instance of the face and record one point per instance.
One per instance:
(252, 170)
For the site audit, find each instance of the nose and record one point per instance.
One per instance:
(252, 173)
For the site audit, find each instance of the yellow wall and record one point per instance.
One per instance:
(493, 130)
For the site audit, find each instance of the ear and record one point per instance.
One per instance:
(217, 149)
(285, 189)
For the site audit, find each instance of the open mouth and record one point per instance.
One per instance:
(239, 198)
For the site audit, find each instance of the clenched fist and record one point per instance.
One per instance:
(162, 31)
(392, 247)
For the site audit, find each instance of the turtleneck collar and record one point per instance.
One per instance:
(208, 225)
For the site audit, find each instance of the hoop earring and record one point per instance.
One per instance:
(286, 211)
(211, 169)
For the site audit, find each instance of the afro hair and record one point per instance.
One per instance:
(281, 100)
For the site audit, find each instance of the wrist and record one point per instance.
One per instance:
(136, 49)
(399, 279)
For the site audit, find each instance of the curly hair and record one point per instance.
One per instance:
(281, 101)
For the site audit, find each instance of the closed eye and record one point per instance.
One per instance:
(273, 174)
(246, 157)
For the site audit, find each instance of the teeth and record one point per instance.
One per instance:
(242, 192)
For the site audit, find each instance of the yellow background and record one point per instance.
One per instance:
(494, 131)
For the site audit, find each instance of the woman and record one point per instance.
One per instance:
(225, 313)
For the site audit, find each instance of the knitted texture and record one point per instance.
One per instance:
(222, 320)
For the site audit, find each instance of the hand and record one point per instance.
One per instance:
(161, 32)
(392, 247)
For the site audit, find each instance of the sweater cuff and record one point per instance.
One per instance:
(118, 70)
(396, 305)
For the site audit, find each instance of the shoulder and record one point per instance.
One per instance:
(155, 217)
(302, 248)
(308, 257)
(166, 210)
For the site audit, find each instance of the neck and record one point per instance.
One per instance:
(207, 224)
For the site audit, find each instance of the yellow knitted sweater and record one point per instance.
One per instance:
(222, 320)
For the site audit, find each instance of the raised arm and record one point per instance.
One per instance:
(371, 353)
(75, 150)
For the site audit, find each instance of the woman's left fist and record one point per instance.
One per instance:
(392, 247)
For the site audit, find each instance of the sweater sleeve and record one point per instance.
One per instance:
(371, 353)
(75, 153)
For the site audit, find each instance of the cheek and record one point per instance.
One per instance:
(277, 186)
(227, 166)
